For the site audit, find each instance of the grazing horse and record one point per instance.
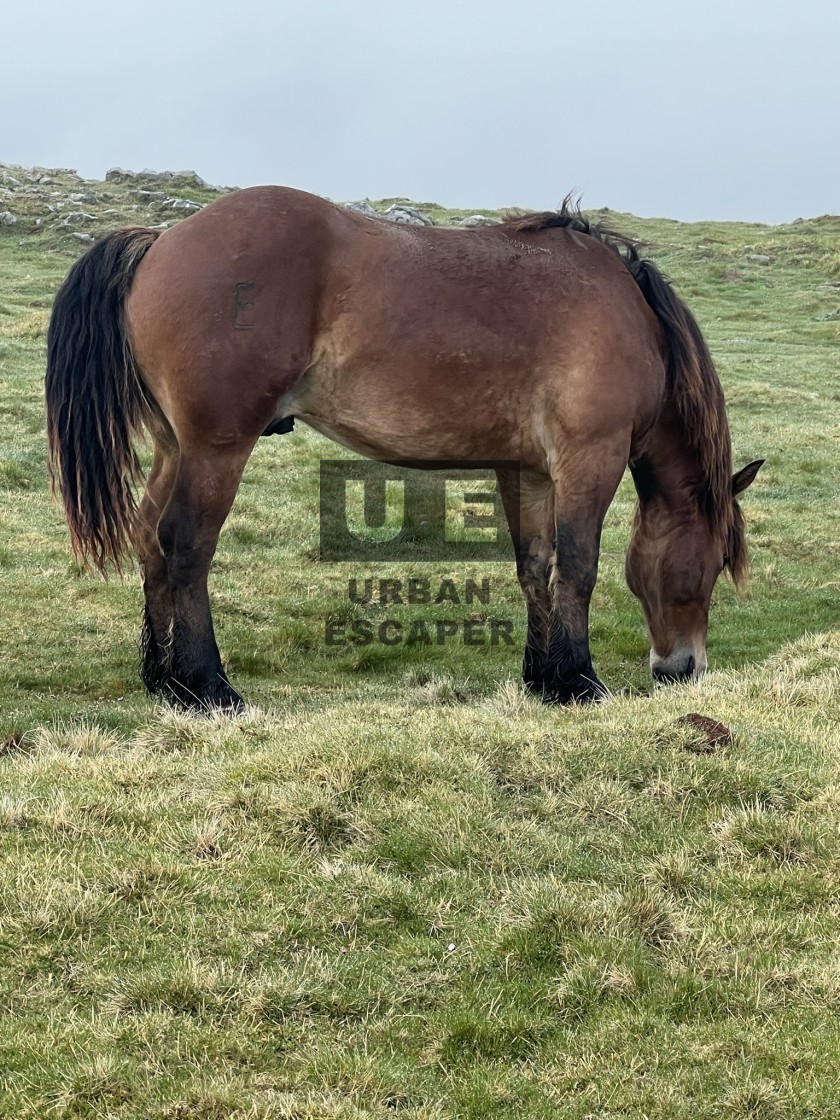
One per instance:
(543, 341)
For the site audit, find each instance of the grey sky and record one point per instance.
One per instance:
(704, 110)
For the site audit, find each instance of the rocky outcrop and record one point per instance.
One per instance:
(40, 200)
(172, 178)
(59, 205)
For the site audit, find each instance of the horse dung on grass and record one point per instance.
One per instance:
(544, 341)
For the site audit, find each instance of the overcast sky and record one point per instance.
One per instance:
(709, 109)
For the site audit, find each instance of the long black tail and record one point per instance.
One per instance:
(94, 399)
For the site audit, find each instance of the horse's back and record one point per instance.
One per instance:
(421, 336)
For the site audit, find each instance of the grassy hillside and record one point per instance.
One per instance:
(398, 884)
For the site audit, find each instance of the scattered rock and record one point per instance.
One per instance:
(85, 238)
(83, 196)
(712, 734)
(760, 258)
(362, 207)
(150, 196)
(181, 204)
(190, 177)
(7, 219)
(828, 316)
(77, 217)
(10, 181)
(476, 221)
(48, 172)
(407, 215)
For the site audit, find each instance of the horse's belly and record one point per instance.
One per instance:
(390, 418)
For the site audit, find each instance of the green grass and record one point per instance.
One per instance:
(398, 885)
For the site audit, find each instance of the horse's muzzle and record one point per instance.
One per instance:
(678, 666)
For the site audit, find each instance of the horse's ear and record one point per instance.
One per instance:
(745, 477)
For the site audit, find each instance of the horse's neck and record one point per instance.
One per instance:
(667, 473)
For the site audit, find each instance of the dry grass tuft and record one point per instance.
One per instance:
(757, 832)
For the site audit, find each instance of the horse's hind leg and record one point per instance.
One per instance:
(529, 507)
(188, 531)
(155, 636)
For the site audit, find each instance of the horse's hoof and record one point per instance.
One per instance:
(231, 705)
(579, 690)
(221, 697)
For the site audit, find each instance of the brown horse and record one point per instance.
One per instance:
(544, 341)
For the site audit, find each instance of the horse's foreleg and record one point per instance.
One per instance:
(155, 636)
(568, 673)
(529, 507)
(581, 499)
(204, 489)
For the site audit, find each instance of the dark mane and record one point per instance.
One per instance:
(693, 383)
(571, 217)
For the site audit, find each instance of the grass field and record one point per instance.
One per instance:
(397, 885)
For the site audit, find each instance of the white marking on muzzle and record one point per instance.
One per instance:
(682, 663)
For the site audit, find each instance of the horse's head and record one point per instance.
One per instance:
(676, 554)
